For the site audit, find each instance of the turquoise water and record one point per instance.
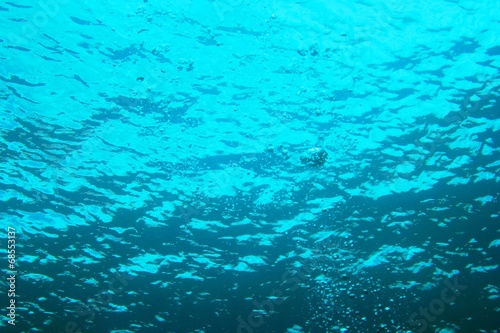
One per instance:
(237, 166)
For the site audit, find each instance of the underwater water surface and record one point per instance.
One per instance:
(250, 166)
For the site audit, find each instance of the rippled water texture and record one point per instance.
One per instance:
(250, 166)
